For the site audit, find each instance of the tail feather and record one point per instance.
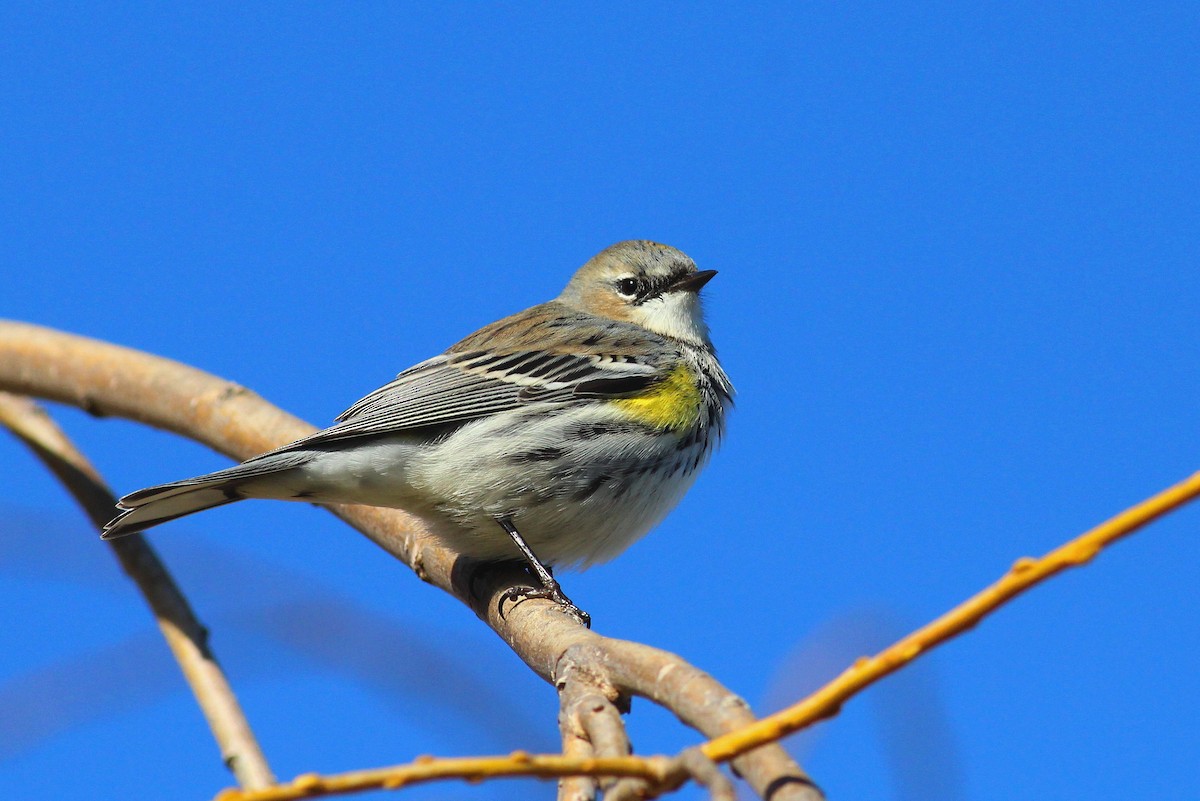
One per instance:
(148, 507)
(160, 510)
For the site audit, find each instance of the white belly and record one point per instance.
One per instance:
(576, 501)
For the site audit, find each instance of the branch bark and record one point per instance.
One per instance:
(185, 635)
(576, 744)
(108, 380)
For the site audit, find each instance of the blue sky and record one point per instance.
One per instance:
(958, 297)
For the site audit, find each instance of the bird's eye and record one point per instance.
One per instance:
(628, 287)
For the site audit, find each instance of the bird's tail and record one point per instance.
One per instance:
(252, 479)
(149, 507)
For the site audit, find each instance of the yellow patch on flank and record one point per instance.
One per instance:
(673, 403)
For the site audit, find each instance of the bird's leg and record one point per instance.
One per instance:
(549, 589)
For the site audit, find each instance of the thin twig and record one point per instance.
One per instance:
(185, 635)
(1025, 573)
(471, 769)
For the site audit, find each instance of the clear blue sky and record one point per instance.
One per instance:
(958, 250)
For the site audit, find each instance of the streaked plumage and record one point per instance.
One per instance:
(582, 421)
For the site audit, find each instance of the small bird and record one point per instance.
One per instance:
(557, 436)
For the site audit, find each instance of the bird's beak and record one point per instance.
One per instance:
(692, 282)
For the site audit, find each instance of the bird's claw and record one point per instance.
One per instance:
(553, 593)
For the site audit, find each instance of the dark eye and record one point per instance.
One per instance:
(628, 287)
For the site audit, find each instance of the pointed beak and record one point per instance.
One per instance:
(693, 282)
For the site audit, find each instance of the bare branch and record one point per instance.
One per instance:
(1025, 574)
(106, 379)
(576, 746)
(691, 764)
(602, 723)
(588, 715)
(185, 635)
(703, 703)
(472, 769)
(706, 773)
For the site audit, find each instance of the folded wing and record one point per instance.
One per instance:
(540, 355)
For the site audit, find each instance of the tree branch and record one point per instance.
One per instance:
(1026, 573)
(576, 744)
(106, 380)
(472, 769)
(186, 637)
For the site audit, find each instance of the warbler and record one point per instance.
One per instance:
(557, 436)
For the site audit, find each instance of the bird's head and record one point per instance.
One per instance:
(645, 283)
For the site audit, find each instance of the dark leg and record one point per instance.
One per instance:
(550, 588)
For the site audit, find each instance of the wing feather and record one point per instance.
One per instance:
(478, 377)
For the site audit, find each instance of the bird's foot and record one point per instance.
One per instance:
(551, 591)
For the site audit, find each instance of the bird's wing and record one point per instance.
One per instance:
(545, 362)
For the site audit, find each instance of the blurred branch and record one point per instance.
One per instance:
(691, 764)
(471, 769)
(105, 380)
(1026, 573)
(185, 635)
(657, 772)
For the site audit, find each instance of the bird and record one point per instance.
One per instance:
(555, 437)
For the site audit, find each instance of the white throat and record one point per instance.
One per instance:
(675, 314)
